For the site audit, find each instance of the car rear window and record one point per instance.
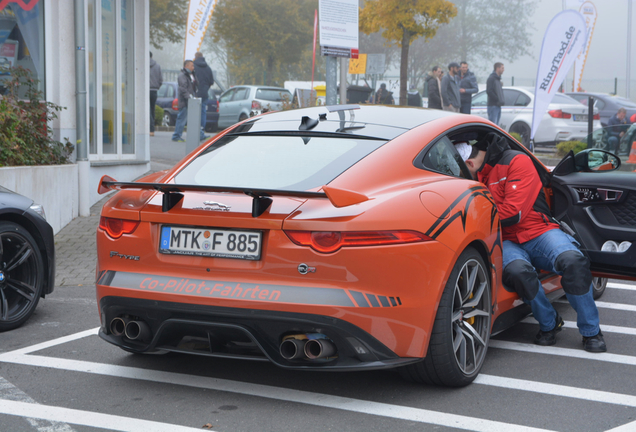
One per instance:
(275, 162)
(274, 95)
(564, 99)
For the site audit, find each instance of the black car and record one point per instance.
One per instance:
(167, 100)
(606, 104)
(27, 258)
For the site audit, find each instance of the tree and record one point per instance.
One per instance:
(167, 21)
(264, 39)
(402, 21)
(484, 32)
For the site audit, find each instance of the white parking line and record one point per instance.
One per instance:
(621, 286)
(10, 392)
(269, 392)
(607, 305)
(629, 427)
(564, 352)
(606, 328)
(87, 418)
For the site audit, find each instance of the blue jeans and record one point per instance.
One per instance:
(613, 144)
(494, 114)
(182, 118)
(542, 252)
(204, 114)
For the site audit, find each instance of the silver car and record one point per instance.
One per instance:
(242, 102)
(564, 120)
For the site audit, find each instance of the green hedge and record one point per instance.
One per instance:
(25, 134)
(564, 147)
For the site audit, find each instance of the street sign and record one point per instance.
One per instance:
(376, 64)
(359, 65)
(338, 27)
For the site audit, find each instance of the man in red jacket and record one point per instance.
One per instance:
(532, 239)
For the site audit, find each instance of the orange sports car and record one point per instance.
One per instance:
(336, 238)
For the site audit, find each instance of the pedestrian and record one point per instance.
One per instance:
(616, 127)
(435, 88)
(533, 239)
(450, 89)
(383, 96)
(467, 87)
(494, 90)
(205, 80)
(187, 90)
(155, 81)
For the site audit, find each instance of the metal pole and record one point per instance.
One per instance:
(629, 48)
(615, 86)
(343, 81)
(590, 122)
(81, 143)
(194, 125)
(331, 80)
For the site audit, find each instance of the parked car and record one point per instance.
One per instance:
(565, 119)
(606, 104)
(336, 238)
(167, 99)
(242, 102)
(27, 258)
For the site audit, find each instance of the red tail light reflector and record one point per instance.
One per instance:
(559, 114)
(256, 105)
(116, 228)
(331, 241)
(597, 116)
(175, 104)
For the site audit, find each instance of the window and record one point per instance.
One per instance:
(111, 44)
(274, 95)
(480, 99)
(275, 162)
(22, 38)
(443, 158)
(227, 96)
(241, 94)
(522, 100)
(510, 97)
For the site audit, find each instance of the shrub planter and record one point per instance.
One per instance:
(53, 186)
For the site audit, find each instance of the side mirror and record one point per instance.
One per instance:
(594, 159)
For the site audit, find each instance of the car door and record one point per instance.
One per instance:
(224, 109)
(600, 205)
(508, 110)
(479, 105)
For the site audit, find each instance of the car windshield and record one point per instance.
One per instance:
(274, 95)
(275, 162)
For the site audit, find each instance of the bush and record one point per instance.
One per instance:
(564, 147)
(25, 134)
(158, 115)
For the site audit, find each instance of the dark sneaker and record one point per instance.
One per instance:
(549, 337)
(178, 140)
(204, 137)
(594, 343)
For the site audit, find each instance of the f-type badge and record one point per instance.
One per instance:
(216, 206)
(304, 269)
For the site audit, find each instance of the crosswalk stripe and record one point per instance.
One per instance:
(607, 305)
(617, 285)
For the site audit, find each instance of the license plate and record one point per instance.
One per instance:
(580, 117)
(211, 242)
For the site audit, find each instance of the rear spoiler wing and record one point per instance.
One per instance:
(173, 193)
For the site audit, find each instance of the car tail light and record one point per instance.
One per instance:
(331, 241)
(175, 104)
(559, 114)
(597, 116)
(256, 105)
(115, 228)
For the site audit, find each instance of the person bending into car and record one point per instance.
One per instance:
(532, 239)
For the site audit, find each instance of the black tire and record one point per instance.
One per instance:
(21, 275)
(242, 117)
(598, 287)
(167, 119)
(461, 332)
(523, 130)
